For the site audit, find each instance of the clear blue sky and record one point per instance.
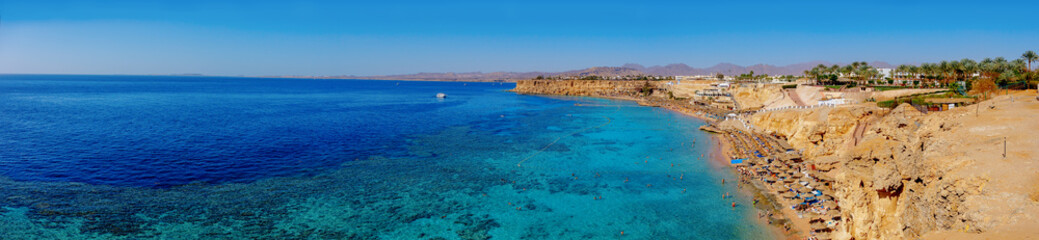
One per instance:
(392, 37)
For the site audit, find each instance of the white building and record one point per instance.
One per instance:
(884, 72)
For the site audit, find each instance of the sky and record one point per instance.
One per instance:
(323, 38)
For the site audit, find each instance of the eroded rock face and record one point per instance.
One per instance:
(892, 168)
(592, 88)
(755, 96)
(817, 131)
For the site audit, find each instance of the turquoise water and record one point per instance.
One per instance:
(350, 160)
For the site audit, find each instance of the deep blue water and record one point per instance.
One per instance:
(147, 131)
(139, 157)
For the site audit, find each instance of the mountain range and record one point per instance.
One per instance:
(677, 69)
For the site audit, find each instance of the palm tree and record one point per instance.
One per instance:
(1029, 56)
(1018, 65)
(969, 67)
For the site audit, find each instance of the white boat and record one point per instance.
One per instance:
(441, 95)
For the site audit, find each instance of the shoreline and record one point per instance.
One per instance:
(774, 216)
(766, 203)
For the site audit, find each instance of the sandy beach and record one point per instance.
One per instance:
(784, 222)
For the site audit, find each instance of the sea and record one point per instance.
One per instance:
(187, 157)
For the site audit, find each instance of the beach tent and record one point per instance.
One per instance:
(820, 227)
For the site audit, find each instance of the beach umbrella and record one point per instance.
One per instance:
(796, 175)
(822, 177)
(819, 226)
(814, 183)
(822, 236)
(820, 192)
(788, 180)
(826, 197)
(771, 179)
(778, 186)
(789, 194)
(803, 189)
(830, 204)
(833, 214)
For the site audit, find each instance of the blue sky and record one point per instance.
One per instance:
(395, 37)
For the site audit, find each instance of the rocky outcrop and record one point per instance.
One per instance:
(899, 173)
(591, 88)
(755, 96)
(817, 131)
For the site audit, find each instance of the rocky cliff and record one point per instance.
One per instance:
(592, 88)
(755, 96)
(901, 174)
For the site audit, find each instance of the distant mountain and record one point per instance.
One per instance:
(628, 69)
(601, 71)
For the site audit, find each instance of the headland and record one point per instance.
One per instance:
(861, 162)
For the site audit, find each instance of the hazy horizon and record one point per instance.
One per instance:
(271, 38)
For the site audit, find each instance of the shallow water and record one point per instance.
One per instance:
(113, 157)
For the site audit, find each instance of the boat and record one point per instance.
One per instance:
(441, 95)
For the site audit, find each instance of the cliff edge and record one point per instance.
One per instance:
(904, 174)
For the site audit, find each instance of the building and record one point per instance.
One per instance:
(885, 72)
(695, 77)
